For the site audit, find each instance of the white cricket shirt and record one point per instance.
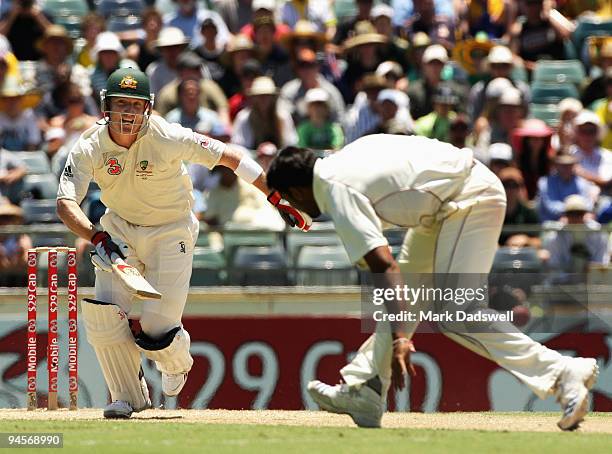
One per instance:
(146, 184)
(404, 180)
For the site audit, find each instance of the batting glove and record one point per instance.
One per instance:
(107, 250)
(292, 216)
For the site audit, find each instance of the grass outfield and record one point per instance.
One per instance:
(217, 431)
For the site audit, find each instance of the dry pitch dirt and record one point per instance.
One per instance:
(504, 422)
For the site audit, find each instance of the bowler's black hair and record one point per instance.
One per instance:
(291, 168)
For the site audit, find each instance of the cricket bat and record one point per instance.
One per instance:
(132, 280)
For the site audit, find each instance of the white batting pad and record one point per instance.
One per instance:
(170, 353)
(109, 333)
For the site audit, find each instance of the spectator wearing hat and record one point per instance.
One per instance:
(110, 55)
(518, 210)
(421, 92)
(273, 58)
(533, 151)
(190, 114)
(265, 120)
(239, 50)
(144, 51)
(563, 138)
(56, 48)
(392, 108)
(265, 9)
(54, 146)
(92, 24)
(394, 74)
(363, 118)
(576, 242)
(493, 18)
(594, 162)
(534, 36)
(427, 19)
(419, 42)
(500, 63)
(318, 131)
(306, 37)
(12, 171)
(209, 51)
(238, 101)
(396, 48)
(346, 26)
(13, 248)
(436, 125)
(308, 77)
(24, 24)
(191, 66)
(171, 43)
(596, 88)
(316, 11)
(18, 126)
(603, 109)
(497, 157)
(562, 182)
(188, 18)
(459, 131)
(363, 55)
(501, 116)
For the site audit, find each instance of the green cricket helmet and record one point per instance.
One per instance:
(127, 83)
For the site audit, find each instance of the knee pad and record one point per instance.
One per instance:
(108, 332)
(170, 352)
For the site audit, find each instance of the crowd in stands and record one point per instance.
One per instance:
(527, 85)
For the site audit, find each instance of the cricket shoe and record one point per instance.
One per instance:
(118, 409)
(362, 404)
(172, 384)
(572, 390)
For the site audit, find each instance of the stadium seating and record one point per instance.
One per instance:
(259, 265)
(208, 267)
(549, 93)
(39, 211)
(559, 71)
(120, 24)
(41, 186)
(35, 161)
(108, 8)
(548, 113)
(324, 265)
(590, 26)
(67, 13)
(232, 239)
(296, 240)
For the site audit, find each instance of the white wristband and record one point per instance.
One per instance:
(248, 169)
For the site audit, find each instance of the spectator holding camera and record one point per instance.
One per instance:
(24, 25)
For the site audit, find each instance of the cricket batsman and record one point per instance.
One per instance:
(454, 207)
(136, 158)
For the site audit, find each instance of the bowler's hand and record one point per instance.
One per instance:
(292, 216)
(401, 365)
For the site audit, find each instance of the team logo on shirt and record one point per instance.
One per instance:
(143, 165)
(144, 170)
(128, 82)
(114, 168)
(68, 171)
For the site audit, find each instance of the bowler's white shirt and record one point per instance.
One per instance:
(404, 180)
(148, 183)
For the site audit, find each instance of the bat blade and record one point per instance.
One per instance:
(134, 282)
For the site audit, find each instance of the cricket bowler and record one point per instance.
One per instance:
(454, 207)
(136, 158)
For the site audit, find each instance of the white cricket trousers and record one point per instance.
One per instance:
(164, 256)
(464, 242)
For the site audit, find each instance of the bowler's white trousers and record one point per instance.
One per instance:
(164, 256)
(464, 242)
